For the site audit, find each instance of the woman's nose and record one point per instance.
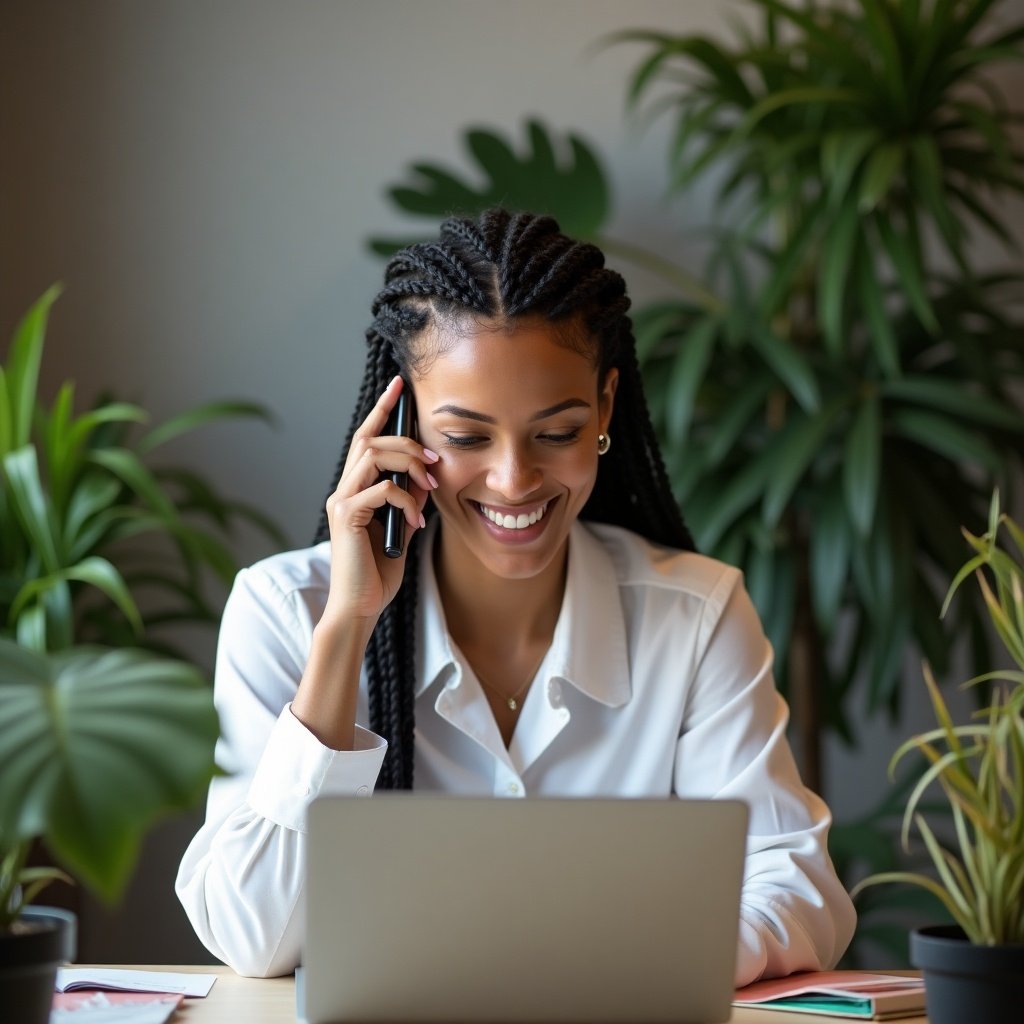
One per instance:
(514, 475)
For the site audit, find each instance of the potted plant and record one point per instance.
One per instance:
(102, 729)
(974, 969)
(96, 744)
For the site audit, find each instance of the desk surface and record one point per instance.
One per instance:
(235, 1000)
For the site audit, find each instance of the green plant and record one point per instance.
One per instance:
(88, 527)
(833, 401)
(99, 733)
(561, 176)
(853, 401)
(979, 766)
(96, 744)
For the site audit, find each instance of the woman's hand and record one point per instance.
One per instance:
(363, 579)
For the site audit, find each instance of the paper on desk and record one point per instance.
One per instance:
(71, 978)
(114, 1007)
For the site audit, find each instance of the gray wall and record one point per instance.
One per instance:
(202, 176)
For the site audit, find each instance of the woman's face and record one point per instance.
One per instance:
(514, 416)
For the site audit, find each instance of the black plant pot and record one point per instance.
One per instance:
(964, 982)
(30, 954)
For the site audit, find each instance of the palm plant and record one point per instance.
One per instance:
(835, 394)
(851, 401)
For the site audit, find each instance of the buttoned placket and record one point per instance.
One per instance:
(543, 717)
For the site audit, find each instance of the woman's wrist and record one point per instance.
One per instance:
(325, 702)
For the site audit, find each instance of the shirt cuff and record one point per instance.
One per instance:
(296, 768)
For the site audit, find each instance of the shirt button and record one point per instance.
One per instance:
(362, 791)
(513, 787)
(555, 691)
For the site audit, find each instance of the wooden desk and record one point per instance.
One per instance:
(235, 1000)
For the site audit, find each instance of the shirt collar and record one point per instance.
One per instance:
(591, 611)
(589, 649)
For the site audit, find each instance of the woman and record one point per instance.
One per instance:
(548, 631)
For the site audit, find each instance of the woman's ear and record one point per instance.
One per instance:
(606, 399)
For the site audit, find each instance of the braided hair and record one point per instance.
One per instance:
(504, 266)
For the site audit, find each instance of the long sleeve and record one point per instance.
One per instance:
(241, 878)
(795, 913)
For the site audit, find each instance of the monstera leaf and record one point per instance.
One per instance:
(95, 745)
(560, 177)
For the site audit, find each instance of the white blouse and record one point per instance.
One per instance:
(658, 682)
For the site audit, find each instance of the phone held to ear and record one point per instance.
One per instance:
(400, 422)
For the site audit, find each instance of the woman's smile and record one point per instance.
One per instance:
(514, 526)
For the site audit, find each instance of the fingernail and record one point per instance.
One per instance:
(391, 383)
(430, 456)
(433, 482)
(423, 521)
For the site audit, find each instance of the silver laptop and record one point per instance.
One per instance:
(452, 909)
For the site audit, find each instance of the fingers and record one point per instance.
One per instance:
(357, 512)
(361, 490)
(376, 421)
(373, 452)
(388, 455)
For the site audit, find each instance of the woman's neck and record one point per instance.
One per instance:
(485, 611)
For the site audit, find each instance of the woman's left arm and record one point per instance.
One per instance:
(794, 912)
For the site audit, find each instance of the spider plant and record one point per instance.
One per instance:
(979, 765)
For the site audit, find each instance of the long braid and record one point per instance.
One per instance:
(504, 266)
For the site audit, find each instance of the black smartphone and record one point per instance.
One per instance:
(400, 422)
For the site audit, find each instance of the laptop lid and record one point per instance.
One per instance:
(443, 908)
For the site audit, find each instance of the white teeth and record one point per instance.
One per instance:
(520, 522)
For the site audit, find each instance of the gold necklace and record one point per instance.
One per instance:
(512, 700)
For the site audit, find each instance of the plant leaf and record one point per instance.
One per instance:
(22, 375)
(942, 435)
(31, 504)
(198, 417)
(97, 572)
(830, 544)
(881, 171)
(562, 177)
(691, 363)
(955, 398)
(791, 366)
(95, 745)
(836, 259)
(796, 449)
(862, 465)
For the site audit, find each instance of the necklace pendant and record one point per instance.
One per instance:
(513, 705)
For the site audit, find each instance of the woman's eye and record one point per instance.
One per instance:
(566, 438)
(461, 440)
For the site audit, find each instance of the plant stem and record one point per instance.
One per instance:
(10, 873)
(805, 659)
(689, 284)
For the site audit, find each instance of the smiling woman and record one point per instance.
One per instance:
(548, 631)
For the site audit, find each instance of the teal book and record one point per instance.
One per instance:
(838, 994)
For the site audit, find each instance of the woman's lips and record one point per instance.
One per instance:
(514, 520)
(515, 525)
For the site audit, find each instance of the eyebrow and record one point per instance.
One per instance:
(552, 410)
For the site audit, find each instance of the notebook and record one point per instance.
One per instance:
(434, 908)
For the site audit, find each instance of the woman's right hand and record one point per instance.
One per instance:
(363, 579)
